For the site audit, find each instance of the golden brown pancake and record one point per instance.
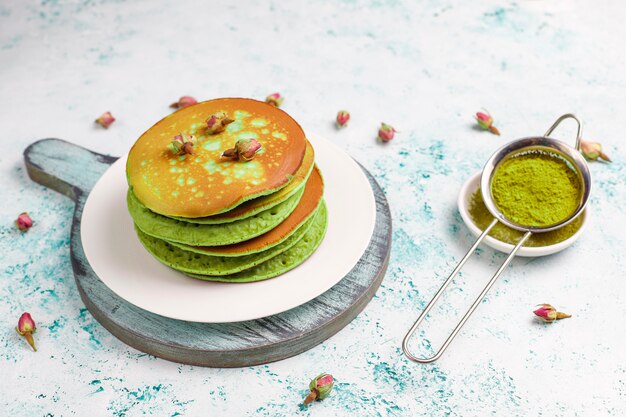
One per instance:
(265, 202)
(203, 184)
(309, 201)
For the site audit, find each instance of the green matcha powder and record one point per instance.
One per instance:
(535, 188)
(483, 218)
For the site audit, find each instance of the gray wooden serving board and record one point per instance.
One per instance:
(73, 171)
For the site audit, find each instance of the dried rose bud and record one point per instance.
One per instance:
(548, 314)
(244, 150)
(184, 101)
(105, 120)
(485, 121)
(342, 118)
(320, 387)
(217, 122)
(26, 327)
(386, 132)
(24, 222)
(182, 144)
(592, 151)
(247, 148)
(275, 99)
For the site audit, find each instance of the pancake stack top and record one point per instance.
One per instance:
(205, 207)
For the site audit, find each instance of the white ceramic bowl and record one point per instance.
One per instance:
(470, 186)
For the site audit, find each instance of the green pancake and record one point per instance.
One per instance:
(285, 261)
(190, 262)
(194, 234)
(249, 213)
(203, 183)
(206, 250)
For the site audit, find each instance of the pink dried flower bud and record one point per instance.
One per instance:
(184, 101)
(386, 132)
(105, 120)
(548, 314)
(247, 148)
(182, 144)
(24, 222)
(217, 122)
(485, 121)
(342, 118)
(244, 150)
(26, 327)
(320, 387)
(275, 99)
(592, 151)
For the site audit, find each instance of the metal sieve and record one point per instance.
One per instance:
(533, 144)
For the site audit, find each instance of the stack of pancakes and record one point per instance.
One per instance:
(227, 220)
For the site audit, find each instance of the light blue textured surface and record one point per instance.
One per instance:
(423, 67)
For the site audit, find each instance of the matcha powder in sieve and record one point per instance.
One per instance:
(536, 188)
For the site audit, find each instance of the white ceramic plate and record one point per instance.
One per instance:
(465, 196)
(120, 261)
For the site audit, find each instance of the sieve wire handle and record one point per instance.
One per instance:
(405, 342)
(579, 131)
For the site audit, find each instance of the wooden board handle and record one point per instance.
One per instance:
(64, 167)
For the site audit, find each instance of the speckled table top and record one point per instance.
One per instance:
(425, 68)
